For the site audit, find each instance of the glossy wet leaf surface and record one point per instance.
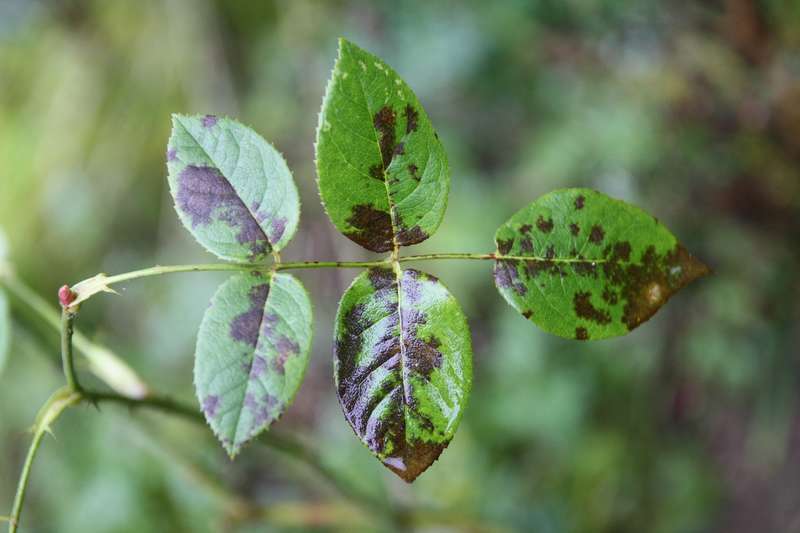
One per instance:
(252, 353)
(582, 265)
(403, 366)
(383, 174)
(232, 189)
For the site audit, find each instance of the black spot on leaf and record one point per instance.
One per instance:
(384, 122)
(373, 228)
(545, 226)
(596, 234)
(584, 309)
(412, 119)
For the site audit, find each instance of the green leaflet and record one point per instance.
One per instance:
(598, 267)
(232, 189)
(5, 329)
(252, 353)
(383, 174)
(403, 366)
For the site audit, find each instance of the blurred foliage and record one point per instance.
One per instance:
(688, 109)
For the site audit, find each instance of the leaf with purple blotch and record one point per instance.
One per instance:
(252, 353)
(585, 266)
(233, 191)
(403, 366)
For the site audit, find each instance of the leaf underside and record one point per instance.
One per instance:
(252, 353)
(403, 366)
(582, 265)
(232, 189)
(383, 174)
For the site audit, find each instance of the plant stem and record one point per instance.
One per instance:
(104, 363)
(305, 265)
(49, 413)
(67, 359)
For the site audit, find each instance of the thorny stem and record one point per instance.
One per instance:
(67, 359)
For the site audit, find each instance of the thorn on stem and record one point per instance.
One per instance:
(66, 296)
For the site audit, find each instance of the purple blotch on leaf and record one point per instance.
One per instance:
(244, 327)
(210, 405)
(202, 190)
(172, 154)
(209, 120)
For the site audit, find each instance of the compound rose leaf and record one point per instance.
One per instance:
(252, 353)
(383, 174)
(232, 189)
(403, 366)
(585, 266)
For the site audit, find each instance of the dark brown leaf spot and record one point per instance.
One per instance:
(504, 245)
(596, 234)
(525, 228)
(413, 170)
(579, 202)
(376, 171)
(648, 285)
(584, 309)
(574, 229)
(413, 459)
(545, 226)
(412, 119)
(373, 228)
(399, 149)
(527, 313)
(384, 122)
(581, 334)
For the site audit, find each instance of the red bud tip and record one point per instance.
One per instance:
(66, 296)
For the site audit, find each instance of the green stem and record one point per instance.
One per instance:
(104, 363)
(49, 413)
(67, 359)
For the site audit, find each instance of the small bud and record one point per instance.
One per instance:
(66, 296)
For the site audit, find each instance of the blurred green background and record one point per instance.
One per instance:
(689, 109)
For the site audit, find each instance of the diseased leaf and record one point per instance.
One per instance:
(403, 366)
(582, 265)
(383, 174)
(252, 353)
(232, 189)
(5, 329)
